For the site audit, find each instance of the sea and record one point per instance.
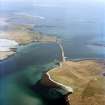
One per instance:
(78, 25)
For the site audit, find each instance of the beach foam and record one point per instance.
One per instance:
(6, 44)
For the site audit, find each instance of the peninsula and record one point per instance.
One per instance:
(85, 77)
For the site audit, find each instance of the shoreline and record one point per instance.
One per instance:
(79, 69)
(66, 89)
(23, 38)
(6, 56)
(7, 48)
(14, 52)
(82, 59)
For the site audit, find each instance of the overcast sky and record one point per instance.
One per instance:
(55, 2)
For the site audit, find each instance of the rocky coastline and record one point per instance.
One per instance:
(57, 88)
(86, 77)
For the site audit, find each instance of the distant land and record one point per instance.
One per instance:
(23, 37)
(99, 44)
(21, 33)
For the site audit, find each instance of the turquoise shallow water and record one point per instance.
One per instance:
(23, 70)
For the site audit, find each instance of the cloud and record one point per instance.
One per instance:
(17, 1)
(49, 2)
(14, 0)
(52, 3)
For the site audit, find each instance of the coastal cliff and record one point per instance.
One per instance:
(85, 77)
(58, 93)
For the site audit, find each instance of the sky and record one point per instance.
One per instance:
(55, 2)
